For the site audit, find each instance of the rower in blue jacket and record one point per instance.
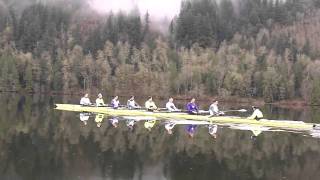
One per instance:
(192, 108)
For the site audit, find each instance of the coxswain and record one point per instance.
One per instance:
(257, 114)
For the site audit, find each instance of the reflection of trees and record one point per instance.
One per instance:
(37, 142)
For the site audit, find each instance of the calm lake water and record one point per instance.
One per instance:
(38, 142)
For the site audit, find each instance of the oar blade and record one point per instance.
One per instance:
(242, 110)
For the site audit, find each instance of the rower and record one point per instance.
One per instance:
(192, 108)
(170, 106)
(213, 130)
(150, 105)
(99, 100)
(169, 126)
(214, 110)
(131, 103)
(85, 101)
(115, 102)
(257, 114)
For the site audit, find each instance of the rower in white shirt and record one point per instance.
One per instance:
(170, 106)
(257, 114)
(132, 104)
(85, 101)
(214, 110)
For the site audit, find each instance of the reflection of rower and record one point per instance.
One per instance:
(84, 117)
(99, 119)
(114, 122)
(149, 124)
(213, 130)
(191, 129)
(169, 126)
(130, 123)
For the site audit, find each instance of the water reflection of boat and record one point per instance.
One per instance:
(315, 132)
(255, 129)
(192, 125)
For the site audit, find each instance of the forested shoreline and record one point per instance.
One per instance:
(247, 49)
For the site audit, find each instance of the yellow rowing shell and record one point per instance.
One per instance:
(222, 120)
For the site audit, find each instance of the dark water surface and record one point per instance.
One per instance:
(37, 142)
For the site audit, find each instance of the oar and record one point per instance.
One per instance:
(238, 110)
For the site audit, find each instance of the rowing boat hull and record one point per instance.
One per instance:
(284, 124)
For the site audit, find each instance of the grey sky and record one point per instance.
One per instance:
(156, 8)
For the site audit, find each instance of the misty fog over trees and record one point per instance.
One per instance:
(247, 48)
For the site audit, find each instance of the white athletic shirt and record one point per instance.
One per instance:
(171, 107)
(85, 101)
(213, 110)
(132, 104)
(115, 103)
(256, 114)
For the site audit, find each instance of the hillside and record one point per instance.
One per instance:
(249, 49)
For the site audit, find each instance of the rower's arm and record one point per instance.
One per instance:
(253, 116)
(175, 108)
(154, 105)
(189, 107)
